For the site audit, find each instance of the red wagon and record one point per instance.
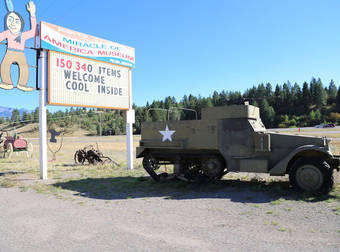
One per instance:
(15, 144)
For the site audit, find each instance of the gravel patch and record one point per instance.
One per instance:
(227, 219)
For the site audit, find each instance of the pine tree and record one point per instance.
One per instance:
(277, 98)
(36, 115)
(216, 99)
(320, 94)
(267, 113)
(306, 97)
(312, 90)
(26, 117)
(331, 92)
(261, 91)
(269, 93)
(338, 101)
(287, 98)
(15, 116)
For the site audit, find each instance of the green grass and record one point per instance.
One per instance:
(282, 229)
(335, 193)
(270, 212)
(7, 183)
(277, 202)
(107, 182)
(288, 209)
(336, 210)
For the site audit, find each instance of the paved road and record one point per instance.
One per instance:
(316, 130)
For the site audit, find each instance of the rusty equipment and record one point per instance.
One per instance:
(92, 156)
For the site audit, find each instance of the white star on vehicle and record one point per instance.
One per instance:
(167, 134)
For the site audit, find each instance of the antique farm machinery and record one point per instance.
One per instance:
(92, 156)
(11, 144)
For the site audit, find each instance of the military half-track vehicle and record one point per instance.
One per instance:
(234, 139)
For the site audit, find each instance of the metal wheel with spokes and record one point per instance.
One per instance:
(8, 151)
(79, 157)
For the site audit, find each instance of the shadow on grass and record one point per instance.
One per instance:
(10, 173)
(144, 187)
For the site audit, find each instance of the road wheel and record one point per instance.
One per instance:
(8, 151)
(311, 175)
(150, 164)
(212, 167)
(179, 169)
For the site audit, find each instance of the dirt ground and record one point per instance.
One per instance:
(107, 208)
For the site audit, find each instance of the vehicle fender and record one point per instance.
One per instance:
(140, 152)
(281, 167)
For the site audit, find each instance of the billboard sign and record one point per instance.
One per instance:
(56, 38)
(82, 82)
(16, 38)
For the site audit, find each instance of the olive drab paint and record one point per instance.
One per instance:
(234, 139)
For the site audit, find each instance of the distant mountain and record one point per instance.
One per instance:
(7, 112)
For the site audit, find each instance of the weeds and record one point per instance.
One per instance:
(277, 202)
(336, 210)
(7, 183)
(110, 182)
(275, 223)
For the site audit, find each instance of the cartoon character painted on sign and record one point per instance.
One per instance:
(14, 25)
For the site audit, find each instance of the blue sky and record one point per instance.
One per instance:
(197, 47)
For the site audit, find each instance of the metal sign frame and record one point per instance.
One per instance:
(82, 105)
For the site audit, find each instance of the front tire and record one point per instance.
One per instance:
(312, 175)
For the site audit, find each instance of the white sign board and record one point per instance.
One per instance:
(77, 81)
(56, 38)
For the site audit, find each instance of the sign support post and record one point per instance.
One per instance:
(129, 128)
(43, 115)
(96, 76)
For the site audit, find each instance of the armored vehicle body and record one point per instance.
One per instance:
(234, 139)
